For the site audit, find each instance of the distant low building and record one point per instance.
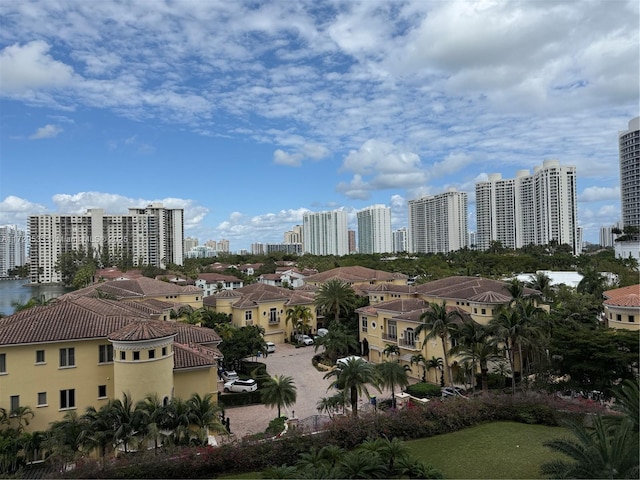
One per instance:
(211, 283)
(622, 308)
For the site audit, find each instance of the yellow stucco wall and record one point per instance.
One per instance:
(143, 377)
(190, 381)
(619, 317)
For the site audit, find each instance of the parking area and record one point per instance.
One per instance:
(311, 387)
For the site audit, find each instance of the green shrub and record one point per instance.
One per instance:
(239, 399)
(276, 426)
(424, 390)
(253, 369)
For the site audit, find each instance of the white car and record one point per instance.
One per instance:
(229, 375)
(305, 339)
(271, 347)
(240, 386)
(453, 392)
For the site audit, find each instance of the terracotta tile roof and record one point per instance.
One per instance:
(130, 288)
(355, 274)
(192, 334)
(389, 287)
(299, 300)
(464, 288)
(623, 297)
(113, 273)
(399, 305)
(633, 289)
(307, 287)
(217, 277)
(192, 289)
(193, 356)
(143, 330)
(490, 297)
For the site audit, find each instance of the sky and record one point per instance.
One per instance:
(249, 114)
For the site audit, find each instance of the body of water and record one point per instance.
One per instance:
(20, 291)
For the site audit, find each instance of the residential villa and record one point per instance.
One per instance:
(211, 283)
(358, 277)
(83, 351)
(622, 308)
(394, 313)
(266, 306)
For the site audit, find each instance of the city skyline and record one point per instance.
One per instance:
(249, 115)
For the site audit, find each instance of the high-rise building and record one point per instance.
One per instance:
(147, 236)
(353, 248)
(257, 248)
(629, 147)
(190, 243)
(294, 235)
(438, 223)
(223, 246)
(325, 233)
(399, 238)
(607, 237)
(374, 230)
(12, 248)
(529, 209)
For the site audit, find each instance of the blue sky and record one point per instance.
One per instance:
(248, 114)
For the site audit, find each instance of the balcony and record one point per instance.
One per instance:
(390, 337)
(409, 345)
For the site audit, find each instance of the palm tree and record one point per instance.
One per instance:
(476, 346)
(437, 364)
(177, 421)
(64, 437)
(299, 316)
(392, 375)
(335, 296)
(337, 342)
(362, 463)
(440, 323)
(127, 420)
(540, 281)
(506, 327)
(593, 282)
(597, 452)
(279, 391)
(353, 376)
(22, 416)
(204, 414)
(419, 359)
(99, 432)
(152, 412)
(330, 405)
(391, 349)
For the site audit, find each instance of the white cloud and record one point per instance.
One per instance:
(48, 131)
(284, 158)
(15, 210)
(264, 228)
(597, 194)
(29, 66)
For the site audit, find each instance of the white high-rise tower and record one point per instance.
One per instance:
(629, 147)
(325, 233)
(374, 230)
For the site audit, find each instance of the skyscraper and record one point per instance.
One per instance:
(529, 209)
(629, 148)
(438, 224)
(147, 236)
(374, 230)
(325, 233)
(294, 235)
(399, 238)
(12, 248)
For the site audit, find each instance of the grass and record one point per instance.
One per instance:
(492, 450)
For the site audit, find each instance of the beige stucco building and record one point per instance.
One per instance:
(82, 351)
(622, 308)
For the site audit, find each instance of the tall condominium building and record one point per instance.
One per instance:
(607, 237)
(400, 240)
(374, 230)
(353, 248)
(257, 248)
(438, 224)
(629, 146)
(12, 248)
(148, 236)
(294, 235)
(290, 248)
(190, 243)
(529, 209)
(325, 233)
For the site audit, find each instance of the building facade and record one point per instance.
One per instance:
(629, 148)
(294, 235)
(536, 208)
(622, 308)
(12, 248)
(325, 233)
(374, 230)
(399, 239)
(438, 224)
(152, 235)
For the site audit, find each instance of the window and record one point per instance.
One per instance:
(15, 403)
(123, 355)
(67, 357)
(392, 330)
(105, 353)
(39, 356)
(619, 317)
(67, 398)
(42, 399)
(632, 319)
(136, 355)
(102, 391)
(483, 311)
(365, 324)
(273, 316)
(409, 337)
(3, 363)
(164, 351)
(152, 354)
(248, 315)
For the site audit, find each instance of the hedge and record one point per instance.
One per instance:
(424, 390)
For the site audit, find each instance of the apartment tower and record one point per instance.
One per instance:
(629, 147)
(12, 248)
(529, 209)
(438, 223)
(325, 233)
(147, 236)
(399, 238)
(374, 230)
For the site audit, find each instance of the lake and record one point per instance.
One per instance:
(19, 291)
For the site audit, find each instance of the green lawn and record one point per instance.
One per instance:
(492, 450)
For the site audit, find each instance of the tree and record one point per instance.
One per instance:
(506, 327)
(152, 412)
(540, 281)
(126, 420)
(437, 364)
(353, 376)
(279, 391)
(335, 296)
(392, 375)
(593, 282)
(418, 359)
(299, 316)
(337, 343)
(242, 342)
(391, 349)
(99, 430)
(205, 415)
(440, 322)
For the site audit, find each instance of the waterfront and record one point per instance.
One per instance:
(19, 291)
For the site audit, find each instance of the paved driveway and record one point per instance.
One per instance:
(310, 384)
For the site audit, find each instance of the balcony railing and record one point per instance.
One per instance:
(409, 345)
(391, 338)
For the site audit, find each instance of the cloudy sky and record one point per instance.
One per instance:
(248, 114)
